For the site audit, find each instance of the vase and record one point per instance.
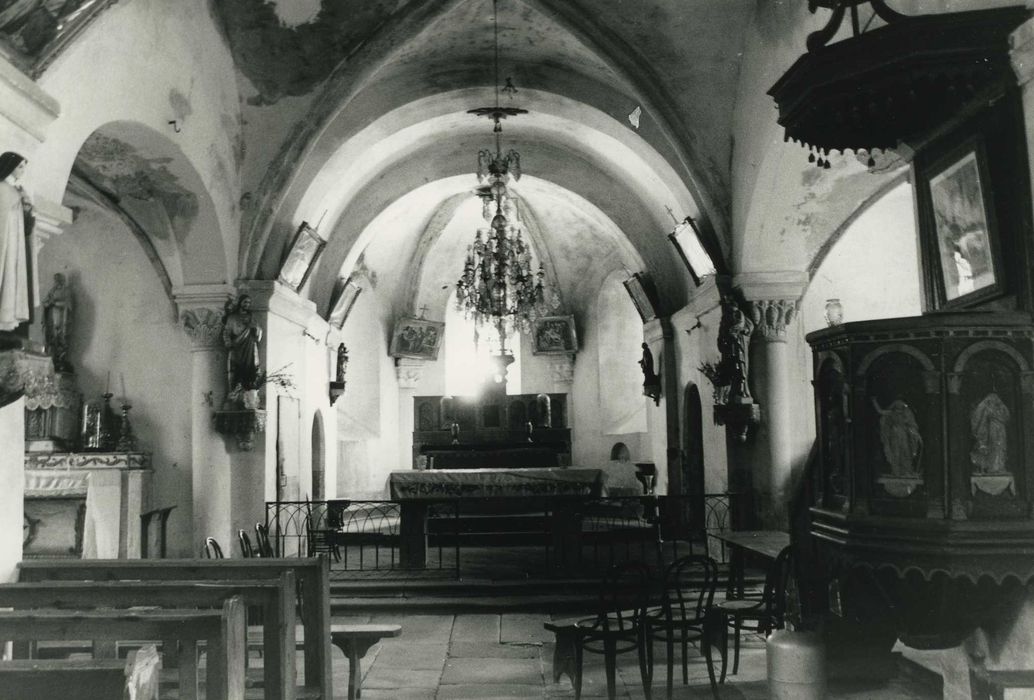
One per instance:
(250, 399)
(834, 312)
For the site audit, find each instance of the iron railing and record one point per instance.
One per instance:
(552, 536)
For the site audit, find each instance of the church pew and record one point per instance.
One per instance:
(224, 630)
(275, 597)
(68, 679)
(312, 575)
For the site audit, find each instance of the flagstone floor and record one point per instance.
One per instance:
(497, 657)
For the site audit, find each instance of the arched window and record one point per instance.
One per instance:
(468, 354)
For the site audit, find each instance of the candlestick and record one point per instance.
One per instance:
(107, 384)
(122, 380)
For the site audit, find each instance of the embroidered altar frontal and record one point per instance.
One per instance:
(483, 483)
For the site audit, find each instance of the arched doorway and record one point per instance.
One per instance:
(319, 465)
(692, 481)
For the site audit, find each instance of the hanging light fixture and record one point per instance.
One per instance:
(498, 285)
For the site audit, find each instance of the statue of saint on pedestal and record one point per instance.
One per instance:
(58, 309)
(15, 212)
(241, 337)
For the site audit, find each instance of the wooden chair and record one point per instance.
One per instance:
(212, 549)
(768, 613)
(689, 586)
(618, 626)
(320, 541)
(247, 551)
(265, 549)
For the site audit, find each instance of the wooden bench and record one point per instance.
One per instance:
(312, 576)
(68, 679)
(274, 597)
(355, 641)
(224, 630)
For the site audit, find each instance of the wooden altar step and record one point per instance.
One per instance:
(573, 595)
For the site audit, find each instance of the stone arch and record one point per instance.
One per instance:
(147, 181)
(997, 345)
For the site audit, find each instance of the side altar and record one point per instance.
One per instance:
(85, 504)
(491, 431)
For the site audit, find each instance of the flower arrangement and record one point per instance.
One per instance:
(716, 373)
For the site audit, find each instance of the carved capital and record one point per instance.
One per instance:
(204, 326)
(771, 317)
(409, 372)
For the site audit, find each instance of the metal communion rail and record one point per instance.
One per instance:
(519, 538)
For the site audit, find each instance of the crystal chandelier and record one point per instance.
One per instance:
(498, 284)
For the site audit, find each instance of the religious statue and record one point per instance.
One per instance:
(989, 422)
(734, 343)
(15, 214)
(58, 309)
(241, 337)
(651, 381)
(899, 433)
(342, 363)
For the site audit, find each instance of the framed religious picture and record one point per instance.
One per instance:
(417, 338)
(640, 288)
(554, 335)
(301, 257)
(344, 299)
(687, 241)
(958, 227)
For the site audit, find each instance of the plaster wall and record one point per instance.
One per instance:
(297, 343)
(12, 487)
(369, 413)
(125, 329)
(693, 347)
(187, 77)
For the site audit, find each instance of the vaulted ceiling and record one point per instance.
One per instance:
(356, 117)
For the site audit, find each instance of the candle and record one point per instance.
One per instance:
(122, 380)
(107, 384)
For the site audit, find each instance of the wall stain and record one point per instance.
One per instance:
(120, 169)
(290, 61)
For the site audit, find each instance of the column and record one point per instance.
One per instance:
(772, 299)
(413, 514)
(201, 313)
(771, 317)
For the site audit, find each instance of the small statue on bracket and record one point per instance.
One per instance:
(241, 338)
(58, 310)
(651, 380)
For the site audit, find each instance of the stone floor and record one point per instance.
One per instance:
(497, 657)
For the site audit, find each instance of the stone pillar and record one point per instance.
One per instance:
(771, 317)
(408, 371)
(12, 486)
(773, 300)
(201, 313)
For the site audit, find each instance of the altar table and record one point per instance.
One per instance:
(494, 483)
(415, 490)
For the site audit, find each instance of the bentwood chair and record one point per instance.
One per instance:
(265, 549)
(212, 549)
(768, 614)
(689, 586)
(618, 626)
(247, 551)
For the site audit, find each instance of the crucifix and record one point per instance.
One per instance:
(423, 310)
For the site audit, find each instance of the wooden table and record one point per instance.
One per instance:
(759, 544)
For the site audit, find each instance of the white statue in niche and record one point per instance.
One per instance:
(15, 209)
(899, 433)
(989, 422)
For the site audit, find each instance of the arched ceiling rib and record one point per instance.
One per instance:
(427, 48)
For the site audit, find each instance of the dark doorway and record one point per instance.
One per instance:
(692, 481)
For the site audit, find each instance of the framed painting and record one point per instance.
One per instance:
(417, 338)
(959, 229)
(686, 239)
(343, 302)
(554, 335)
(640, 288)
(302, 255)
